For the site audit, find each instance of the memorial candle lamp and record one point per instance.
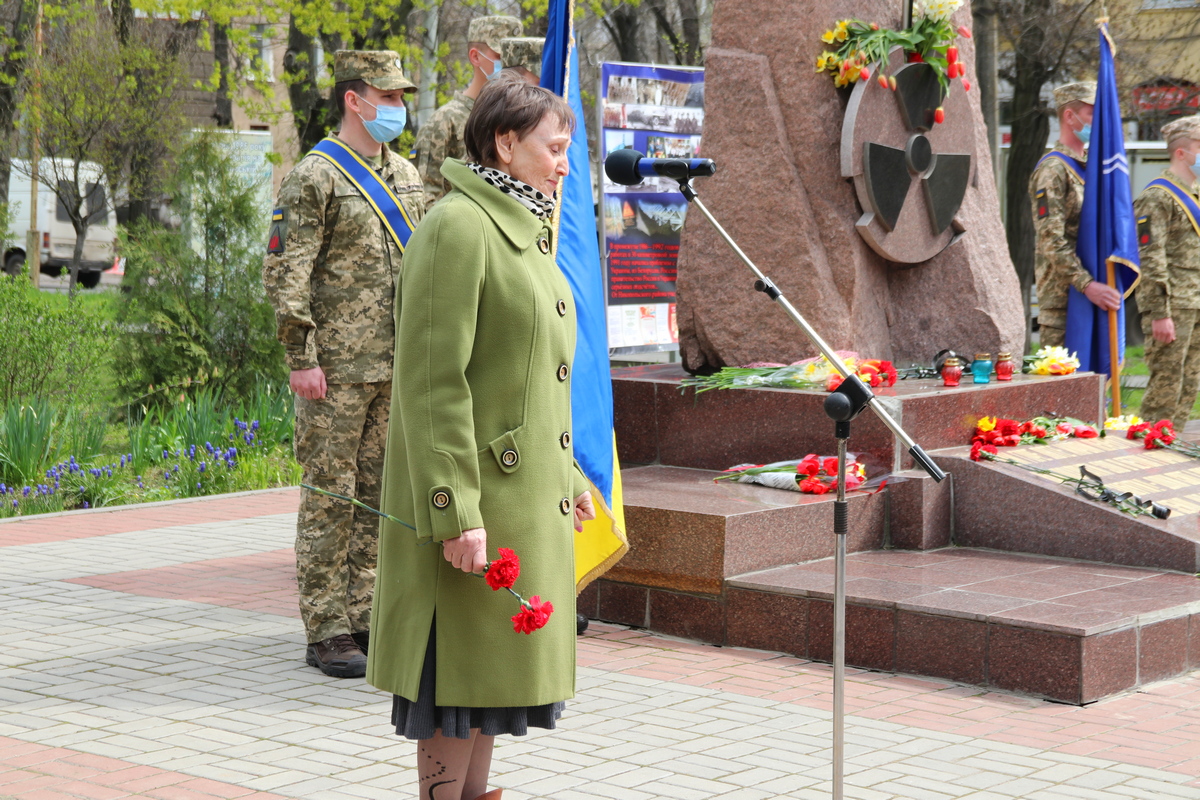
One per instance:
(981, 368)
(951, 372)
(1005, 367)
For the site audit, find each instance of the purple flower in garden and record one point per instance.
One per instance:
(197, 485)
(201, 467)
(110, 472)
(164, 455)
(176, 468)
(14, 503)
(3, 488)
(254, 425)
(85, 504)
(25, 492)
(122, 461)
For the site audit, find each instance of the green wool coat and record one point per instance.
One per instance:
(479, 436)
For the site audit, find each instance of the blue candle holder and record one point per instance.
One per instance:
(981, 368)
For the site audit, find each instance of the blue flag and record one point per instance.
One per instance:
(603, 540)
(1107, 228)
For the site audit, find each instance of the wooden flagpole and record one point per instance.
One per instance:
(1114, 361)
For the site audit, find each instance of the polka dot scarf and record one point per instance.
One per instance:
(537, 202)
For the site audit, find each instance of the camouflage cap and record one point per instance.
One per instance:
(525, 51)
(1185, 127)
(490, 30)
(1083, 92)
(378, 68)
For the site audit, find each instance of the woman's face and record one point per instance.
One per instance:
(540, 159)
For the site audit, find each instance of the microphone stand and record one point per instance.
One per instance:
(842, 406)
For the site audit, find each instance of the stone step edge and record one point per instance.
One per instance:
(746, 583)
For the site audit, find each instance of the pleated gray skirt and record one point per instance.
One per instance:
(420, 720)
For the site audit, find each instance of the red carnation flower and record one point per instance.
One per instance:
(534, 614)
(504, 571)
(1134, 430)
(979, 447)
(1085, 432)
(1008, 427)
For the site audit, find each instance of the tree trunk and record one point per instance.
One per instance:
(77, 255)
(223, 113)
(310, 110)
(1030, 129)
(983, 13)
(622, 26)
(15, 19)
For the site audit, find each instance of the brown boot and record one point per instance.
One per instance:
(338, 657)
(494, 794)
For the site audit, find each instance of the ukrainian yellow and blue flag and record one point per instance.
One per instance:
(603, 541)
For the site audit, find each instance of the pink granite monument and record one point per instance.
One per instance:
(789, 189)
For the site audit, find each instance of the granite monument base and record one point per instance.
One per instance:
(1087, 601)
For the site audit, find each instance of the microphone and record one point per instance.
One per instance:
(629, 167)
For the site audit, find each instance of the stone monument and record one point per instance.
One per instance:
(784, 191)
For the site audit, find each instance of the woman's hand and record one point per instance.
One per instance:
(584, 510)
(468, 551)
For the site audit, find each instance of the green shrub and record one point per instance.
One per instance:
(51, 350)
(195, 308)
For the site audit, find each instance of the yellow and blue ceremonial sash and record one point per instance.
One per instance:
(1071, 162)
(1185, 200)
(391, 211)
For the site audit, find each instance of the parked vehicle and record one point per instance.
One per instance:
(56, 235)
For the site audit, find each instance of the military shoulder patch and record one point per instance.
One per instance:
(1042, 207)
(1143, 226)
(277, 239)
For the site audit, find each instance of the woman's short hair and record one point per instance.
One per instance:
(509, 103)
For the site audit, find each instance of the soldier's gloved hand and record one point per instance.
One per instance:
(1163, 330)
(308, 383)
(467, 552)
(1103, 295)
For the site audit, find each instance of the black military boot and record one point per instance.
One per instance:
(581, 623)
(338, 657)
(362, 639)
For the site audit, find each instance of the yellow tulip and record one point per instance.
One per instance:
(987, 424)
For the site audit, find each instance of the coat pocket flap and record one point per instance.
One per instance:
(505, 450)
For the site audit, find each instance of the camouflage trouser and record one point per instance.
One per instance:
(1174, 370)
(339, 442)
(1050, 336)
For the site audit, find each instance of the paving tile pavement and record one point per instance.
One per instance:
(152, 662)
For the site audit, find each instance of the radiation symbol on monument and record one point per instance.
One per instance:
(911, 174)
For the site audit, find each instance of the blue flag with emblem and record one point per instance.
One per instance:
(602, 541)
(1107, 245)
(372, 187)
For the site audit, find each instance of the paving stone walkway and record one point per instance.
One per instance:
(154, 652)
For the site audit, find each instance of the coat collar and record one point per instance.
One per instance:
(516, 221)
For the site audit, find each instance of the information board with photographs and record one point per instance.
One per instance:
(657, 111)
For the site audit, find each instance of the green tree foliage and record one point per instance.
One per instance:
(195, 309)
(85, 99)
(50, 350)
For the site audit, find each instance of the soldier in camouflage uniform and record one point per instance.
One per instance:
(1057, 195)
(442, 136)
(523, 54)
(1169, 293)
(331, 272)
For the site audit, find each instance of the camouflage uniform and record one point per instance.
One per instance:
(1170, 289)
(523, 52)
(332, 279)
(441, 137)
(1057, 197)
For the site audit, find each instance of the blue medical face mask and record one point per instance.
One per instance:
(496, 67)
(1195, 166)
(1084, 133)
(388, 123)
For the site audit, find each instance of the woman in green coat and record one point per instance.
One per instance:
(479, 453)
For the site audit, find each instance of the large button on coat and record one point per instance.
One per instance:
(478, 413)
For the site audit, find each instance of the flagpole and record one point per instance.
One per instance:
(1114, 359)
